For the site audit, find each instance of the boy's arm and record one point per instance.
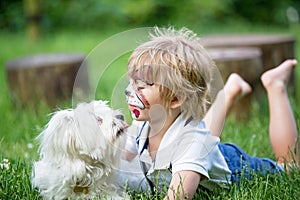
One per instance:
(129, 156)
(131, 150)
(183, 185)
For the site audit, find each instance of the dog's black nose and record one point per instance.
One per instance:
(121, 117)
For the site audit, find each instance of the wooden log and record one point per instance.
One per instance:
(275, 48)
(43, 77)
(244, 61)
(248, 64)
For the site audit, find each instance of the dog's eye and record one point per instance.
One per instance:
(99, 119)
(120, 117)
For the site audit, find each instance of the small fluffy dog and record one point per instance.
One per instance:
(79, 149)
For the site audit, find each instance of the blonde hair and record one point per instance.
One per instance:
(178, 62)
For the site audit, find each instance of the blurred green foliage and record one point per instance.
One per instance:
(100, 14)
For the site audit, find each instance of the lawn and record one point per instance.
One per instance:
(19, 127)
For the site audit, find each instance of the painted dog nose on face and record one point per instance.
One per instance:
(133, 99)
(127, 92)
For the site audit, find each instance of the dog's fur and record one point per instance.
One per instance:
(78, 152)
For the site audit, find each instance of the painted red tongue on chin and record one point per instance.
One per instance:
(136, 113)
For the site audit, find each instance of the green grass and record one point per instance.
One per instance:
(19, 126)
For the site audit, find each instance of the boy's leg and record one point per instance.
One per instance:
(282, 128)
(234, 88)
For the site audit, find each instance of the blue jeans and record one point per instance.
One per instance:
(244, 166)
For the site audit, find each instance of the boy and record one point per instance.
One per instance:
(178, 143)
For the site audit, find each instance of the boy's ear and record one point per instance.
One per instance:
(177, 102)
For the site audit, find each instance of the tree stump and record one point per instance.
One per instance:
(43, 77)
(275, 48)
(248, 64)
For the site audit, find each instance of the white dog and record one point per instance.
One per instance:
(78, 152)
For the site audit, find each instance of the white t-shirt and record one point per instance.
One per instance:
(185, 146)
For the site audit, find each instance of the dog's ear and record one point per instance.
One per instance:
(59, 136)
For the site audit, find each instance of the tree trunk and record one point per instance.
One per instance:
(44, 77)
(275, 48)
(248, 64)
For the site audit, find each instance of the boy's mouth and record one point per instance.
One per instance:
(135, 111)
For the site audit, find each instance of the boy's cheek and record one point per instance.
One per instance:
(143, 99)
(157, 111)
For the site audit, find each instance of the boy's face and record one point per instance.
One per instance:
(141, 96)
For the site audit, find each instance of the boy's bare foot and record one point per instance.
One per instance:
(278, 77)
(236, 87)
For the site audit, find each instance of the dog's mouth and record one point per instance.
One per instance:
(124, 125)
(122, 130)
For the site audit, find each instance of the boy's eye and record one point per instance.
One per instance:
(139, 84)
(139, 87)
